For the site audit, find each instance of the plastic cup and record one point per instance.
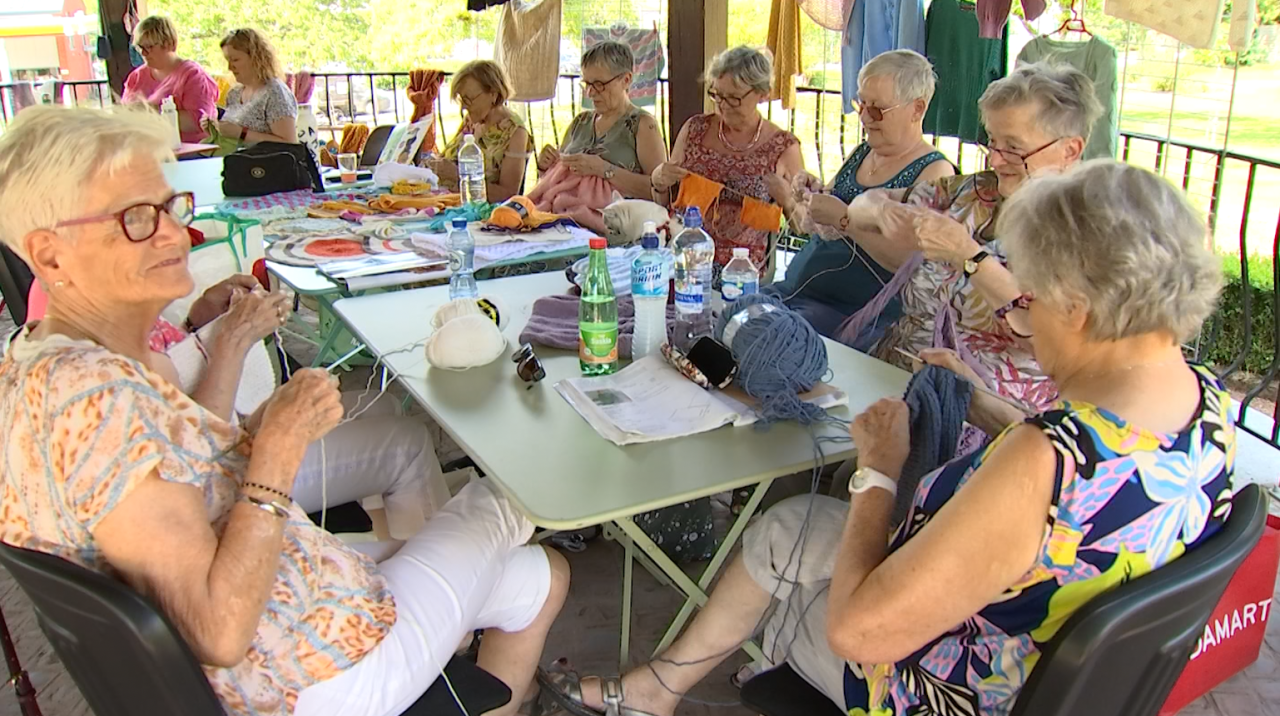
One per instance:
(347, 167)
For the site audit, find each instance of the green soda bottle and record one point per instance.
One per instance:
(598, 316)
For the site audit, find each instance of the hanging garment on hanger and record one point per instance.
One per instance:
(1244, 13)
(646, 48)
(994, 14)
(1194, 22)
(1097, 60)
(965, 64)
(876, 27)
(528, 48)
(478, 5)
(784, 43)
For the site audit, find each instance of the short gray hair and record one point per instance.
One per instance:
(50, 154)
(1068, 104)
(1120, 240)
(912, 74)
(749, 66)
(613, 56)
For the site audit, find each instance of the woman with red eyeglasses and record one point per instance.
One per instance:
(941, 236)
(482, 88)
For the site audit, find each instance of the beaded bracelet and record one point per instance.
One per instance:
(272, 490)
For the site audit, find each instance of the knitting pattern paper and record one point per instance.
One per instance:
(646, 47)
(1194, 22)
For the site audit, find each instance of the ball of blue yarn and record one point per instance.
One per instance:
(779, 356)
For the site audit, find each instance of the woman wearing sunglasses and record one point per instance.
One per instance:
(108, 464)
(831, 278)
(616, 140)
(482, 88)
(1038, 121)
(737, 147)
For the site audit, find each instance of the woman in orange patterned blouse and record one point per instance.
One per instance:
(109, 465)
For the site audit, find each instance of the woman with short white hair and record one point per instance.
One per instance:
(830, 279)
(1038, 120)
(948, 613)
(109, 465)
(734, 146)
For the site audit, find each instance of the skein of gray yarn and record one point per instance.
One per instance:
(779, 356)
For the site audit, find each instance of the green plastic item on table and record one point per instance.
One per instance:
(226, 145)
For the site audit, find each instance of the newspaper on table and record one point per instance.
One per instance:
(650, 401)
(382, 270)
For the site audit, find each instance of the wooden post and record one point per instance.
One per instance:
(111, 15)
(696, 31)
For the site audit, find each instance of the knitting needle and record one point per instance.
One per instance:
(917, 363)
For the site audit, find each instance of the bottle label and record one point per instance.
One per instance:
(689, 296)
(648, 280)
(733, 290)
(597, 345)
(456, 260)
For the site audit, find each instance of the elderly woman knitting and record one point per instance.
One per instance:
(108, 464)
(482, 88)
(1125, 475)
(956, 291)
(831, 279)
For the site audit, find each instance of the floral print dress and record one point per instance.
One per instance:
(1126, 501)
(939, 297)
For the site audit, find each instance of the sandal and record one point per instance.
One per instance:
(562, 685)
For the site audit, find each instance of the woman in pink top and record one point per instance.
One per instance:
(166, 75)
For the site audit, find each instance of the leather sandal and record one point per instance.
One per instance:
(562, 685)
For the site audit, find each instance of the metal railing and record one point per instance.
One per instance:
(1232, 188)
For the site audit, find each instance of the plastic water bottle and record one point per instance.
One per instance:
(471, 171)
(739, 277)
(598, 316)
(462, 261)
(169, 113)
(649, 292)
(695, 252)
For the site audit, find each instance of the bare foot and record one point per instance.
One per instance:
(641, 692)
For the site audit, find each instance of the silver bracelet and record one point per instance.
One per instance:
(273, 507)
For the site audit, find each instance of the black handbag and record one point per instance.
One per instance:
(269, 168)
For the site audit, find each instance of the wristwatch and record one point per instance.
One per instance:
(971, 263)
(865, 478)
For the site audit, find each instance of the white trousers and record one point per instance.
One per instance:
(378, 453)
(469, 568)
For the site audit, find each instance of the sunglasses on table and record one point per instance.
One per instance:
(528, 367)
(140, 222)
(599, 87)
(875, 113)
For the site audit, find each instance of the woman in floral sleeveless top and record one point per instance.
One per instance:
(948, 612)
(737, 147)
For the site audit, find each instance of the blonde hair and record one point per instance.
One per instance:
(156, 31)
(488, 74)
(262, 57)
(51, 154)
(1120, 241)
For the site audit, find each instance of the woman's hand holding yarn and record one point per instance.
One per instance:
(882, 434)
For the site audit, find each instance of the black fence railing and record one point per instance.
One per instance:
(1235, 190)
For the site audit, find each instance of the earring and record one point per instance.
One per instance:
(59, 284)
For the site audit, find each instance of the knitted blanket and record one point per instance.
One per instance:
(938, 401)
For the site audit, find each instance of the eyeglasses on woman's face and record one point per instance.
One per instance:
(875, 113)
(728, 100)
(1013, 156)
(140, 222)
(1017, 313)
(598, 87)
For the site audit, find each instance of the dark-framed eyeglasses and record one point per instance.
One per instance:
(141, 221)
(466, 101)
(599, 87)
(876, 113)
(727, 100)
(1012, 157)
(1014, 313)
(528, 367)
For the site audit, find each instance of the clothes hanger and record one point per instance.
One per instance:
(1075, 23)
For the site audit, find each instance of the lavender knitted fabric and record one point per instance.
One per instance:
(554, 323)
(854, 325)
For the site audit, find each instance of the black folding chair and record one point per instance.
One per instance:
(128, 660)
(15, 283)
(374, 145)
(1119, 655)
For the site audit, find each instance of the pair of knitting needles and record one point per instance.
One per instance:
(917, 363)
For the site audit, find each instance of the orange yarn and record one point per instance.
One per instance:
(761, 215)
(512, 213)
(699, 191)
(353, 138)
(389, 203)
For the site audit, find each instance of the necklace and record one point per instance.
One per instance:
(732, 147)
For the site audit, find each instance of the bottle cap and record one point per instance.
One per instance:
(468, 138)
(596, 243)
(741, 253)
(693, 218)
(459, 222)
(650, 228)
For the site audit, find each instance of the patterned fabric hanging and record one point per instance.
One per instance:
(830, 14)
(646, 47)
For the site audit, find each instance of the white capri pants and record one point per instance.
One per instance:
(469, 568)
